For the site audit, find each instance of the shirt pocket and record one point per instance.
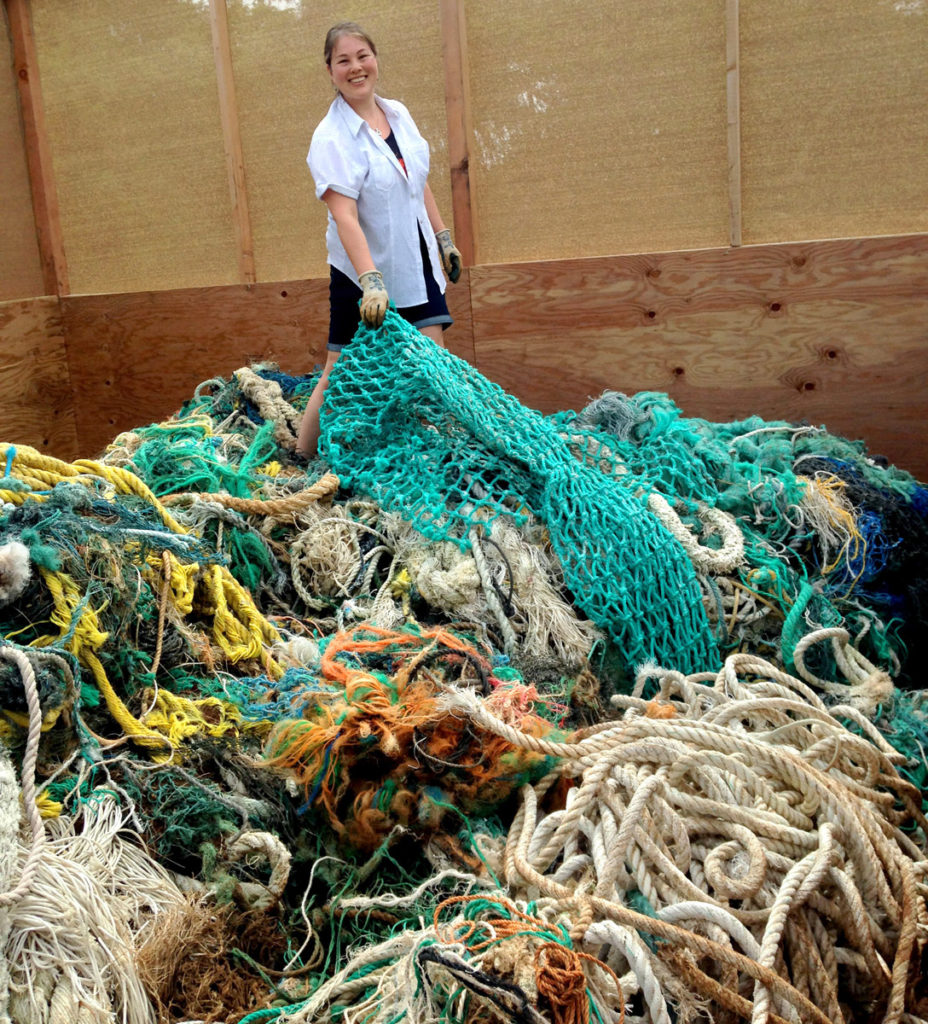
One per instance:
(382, 176)
(416, 154)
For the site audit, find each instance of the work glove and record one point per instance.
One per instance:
(450, 257)
(375, 300)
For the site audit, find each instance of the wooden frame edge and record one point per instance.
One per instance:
(232, 139)
(38, 151)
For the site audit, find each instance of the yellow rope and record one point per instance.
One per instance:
(238, 627)
(21, 719)
(48, 807)
(179, 718)
(28, 459)
(830, 492)
(88, 638)
(41, 472)
(128, 483)
(240, 630)
(183, 580)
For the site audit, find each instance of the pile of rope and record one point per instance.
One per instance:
(727, 843)
(482, 716)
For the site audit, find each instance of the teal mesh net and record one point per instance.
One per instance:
(426, 436)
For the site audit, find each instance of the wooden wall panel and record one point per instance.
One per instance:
(599, 128)
(136, 358)
(20, 263)
(36, 403)
(830, 332)
(834, 333)
(278, 112)
(135, 132)
(834, 103)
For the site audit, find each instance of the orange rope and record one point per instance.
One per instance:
(559, 975)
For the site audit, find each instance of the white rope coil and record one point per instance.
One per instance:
(750, 805)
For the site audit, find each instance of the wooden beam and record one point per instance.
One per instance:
(733, 89)
(235, 163)
(38, 152)
(457, 106)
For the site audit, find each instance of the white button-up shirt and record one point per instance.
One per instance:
(348, 157)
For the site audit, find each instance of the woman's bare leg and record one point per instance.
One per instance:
(308, 440)
(434, 332)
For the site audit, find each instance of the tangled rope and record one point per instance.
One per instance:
(741, 806)
(291, 746)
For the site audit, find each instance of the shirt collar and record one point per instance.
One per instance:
(354, 120)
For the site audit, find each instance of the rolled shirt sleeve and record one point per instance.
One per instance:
(347, 157)
(332, 168)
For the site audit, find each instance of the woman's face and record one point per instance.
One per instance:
(353, 67)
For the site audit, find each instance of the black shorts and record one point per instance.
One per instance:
(345, 314)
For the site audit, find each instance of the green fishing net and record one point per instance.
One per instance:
(425, 435)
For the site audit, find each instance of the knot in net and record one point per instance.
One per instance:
(427, 436)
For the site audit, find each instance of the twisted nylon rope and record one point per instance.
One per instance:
(73, 936)
(30, 758)
(268, 396)
(520, 870)
(275, 508)
(790, 793)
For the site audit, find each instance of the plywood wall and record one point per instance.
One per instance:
(831, 333)
(36, 399)
(828, 332)
(20, 266)
(142, 355)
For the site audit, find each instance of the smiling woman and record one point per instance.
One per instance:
(385, 238)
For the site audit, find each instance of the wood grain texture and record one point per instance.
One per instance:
(833, 332)
(36, 406)
(20, 263)
(38, 150)
(460, 129)
(136, 358)
(830, 332)
(235, 162)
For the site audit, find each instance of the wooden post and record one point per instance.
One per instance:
(235, 163)
(457, 105)
(38, 152)
(733, 89)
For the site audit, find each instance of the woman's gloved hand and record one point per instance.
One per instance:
(450, 257)
(374, 301)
